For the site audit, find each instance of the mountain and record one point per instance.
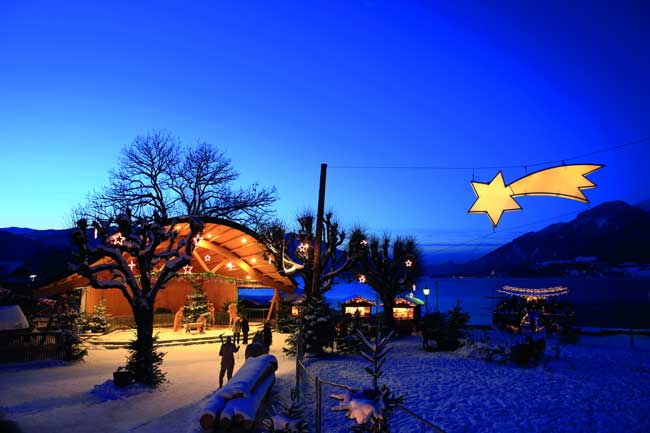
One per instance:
(609, 234)
(26, 251)
(645, 205)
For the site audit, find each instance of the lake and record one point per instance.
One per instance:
(598, 302)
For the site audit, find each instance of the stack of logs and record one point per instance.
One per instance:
(238, 402)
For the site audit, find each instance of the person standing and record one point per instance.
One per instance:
(268, 336)
(245, 328)
(227, 353)
(236, 329)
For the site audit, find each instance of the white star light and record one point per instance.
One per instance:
(364, 243)
(117, 239)
(187, 269)
(131, 265)
(303, 247)
(362, 278)
(408, 263)
(230, 266)
(198, 238)
(207, 257)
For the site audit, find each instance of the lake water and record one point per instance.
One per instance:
(598, 302)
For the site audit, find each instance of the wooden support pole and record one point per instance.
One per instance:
(319, 229)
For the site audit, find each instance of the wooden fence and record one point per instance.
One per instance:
(21, 346)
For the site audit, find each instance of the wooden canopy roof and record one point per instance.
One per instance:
(226, 250)
(358, 301)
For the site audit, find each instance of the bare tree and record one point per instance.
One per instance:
(128, 245)
(294, 255)
(390, 271)
(157, 173)
(203, 184)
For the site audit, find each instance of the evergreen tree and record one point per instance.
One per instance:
(197, 303)
(66, 319)
(97, 322)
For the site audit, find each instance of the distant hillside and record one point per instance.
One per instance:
(645, 205)
(26, 251)
(609, 234)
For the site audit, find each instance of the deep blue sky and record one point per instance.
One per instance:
(283, 86)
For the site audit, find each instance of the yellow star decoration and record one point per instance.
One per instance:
(493, 199)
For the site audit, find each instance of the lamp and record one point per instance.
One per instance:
(426, 297)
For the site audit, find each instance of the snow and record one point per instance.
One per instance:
(600, 385)
(50, 396)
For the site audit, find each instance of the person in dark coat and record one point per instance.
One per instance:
(245, 328)
(268, 336)
(227, 353)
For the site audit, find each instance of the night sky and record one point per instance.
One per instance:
(283, 86)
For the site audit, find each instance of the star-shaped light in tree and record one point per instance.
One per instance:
(117, 239)
(303, 247)
(362, 278)
(364, 243)
(408, 263)
(196, 239)
(131, 265)
(493, 198)
(187, 269)
(207, 258)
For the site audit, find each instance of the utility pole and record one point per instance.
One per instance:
(437, 307)
(319, 229)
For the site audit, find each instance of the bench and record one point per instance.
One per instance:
(238, 402)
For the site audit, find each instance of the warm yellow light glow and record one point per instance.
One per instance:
(209, 236)
(244, 240)
(117, 239)
(230, 266)
(253, 260)
(248, 277)
(565, 181)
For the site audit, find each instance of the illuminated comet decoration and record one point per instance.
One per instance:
(566, 181)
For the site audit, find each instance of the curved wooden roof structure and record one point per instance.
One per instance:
(227, 250)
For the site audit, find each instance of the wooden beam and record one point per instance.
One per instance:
(240, 263)
(274, 301)
(201, 262)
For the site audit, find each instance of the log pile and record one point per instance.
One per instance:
(238, 402)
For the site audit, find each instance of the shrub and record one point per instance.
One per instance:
(446, 329)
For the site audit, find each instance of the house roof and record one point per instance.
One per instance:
(226, 249)
(359, 301)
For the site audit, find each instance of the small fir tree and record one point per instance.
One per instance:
(66, 319)
(371, 408)
(288, 419)
(197, 303)
(97, 321)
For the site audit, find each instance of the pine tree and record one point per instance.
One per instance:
(197, 303)
(66, 319)
(97, 322)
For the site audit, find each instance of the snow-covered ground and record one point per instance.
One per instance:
(75, 398)
(600, 385)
